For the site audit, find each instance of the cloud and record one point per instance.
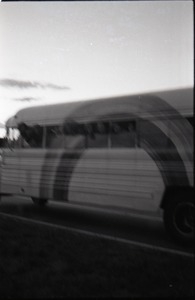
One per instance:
(22, 84)
(25, 99)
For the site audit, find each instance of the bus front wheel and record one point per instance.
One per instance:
(39, 201)
(179, 218)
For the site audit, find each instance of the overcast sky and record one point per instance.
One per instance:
(62, 51)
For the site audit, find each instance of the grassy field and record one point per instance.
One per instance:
(42, 262)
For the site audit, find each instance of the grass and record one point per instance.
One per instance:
(42, 262)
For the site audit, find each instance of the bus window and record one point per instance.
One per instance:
(74, 135)
(54, 137)
(123, 134)
(97, 135)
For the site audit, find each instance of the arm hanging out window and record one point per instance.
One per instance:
(33, 135)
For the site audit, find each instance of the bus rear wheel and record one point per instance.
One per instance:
(39, 201)
(179, 219)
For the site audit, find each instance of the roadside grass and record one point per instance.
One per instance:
(43, 262)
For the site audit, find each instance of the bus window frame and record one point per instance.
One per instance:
(46, 140)
(126, 120)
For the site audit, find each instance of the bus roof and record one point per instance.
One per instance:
(163, 102)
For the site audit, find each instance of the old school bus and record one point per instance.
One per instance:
(133, 152)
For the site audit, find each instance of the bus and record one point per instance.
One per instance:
(131, 152)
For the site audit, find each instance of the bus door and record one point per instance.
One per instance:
(22, 164)
(10, 164)
(37, 163)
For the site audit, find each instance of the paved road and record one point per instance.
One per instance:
(142, 229)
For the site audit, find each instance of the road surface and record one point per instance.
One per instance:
(126, 226)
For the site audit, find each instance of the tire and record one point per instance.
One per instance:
(179, 218)
(39, 201)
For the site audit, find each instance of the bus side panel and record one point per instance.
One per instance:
(181, 134)
(88, 182)
(31, 163)
(121, 178)
(115, 177)
(149, 184)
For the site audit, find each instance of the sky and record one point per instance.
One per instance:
(53, 52)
